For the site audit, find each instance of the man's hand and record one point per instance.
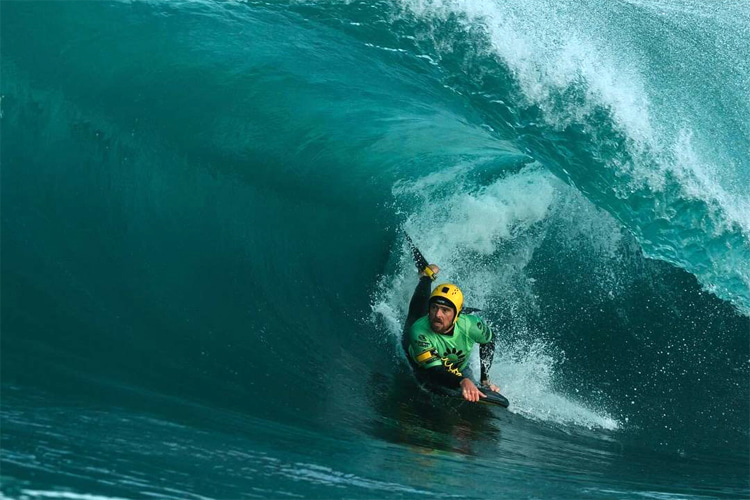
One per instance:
(489, 385)
(435, 270)
(470, 391)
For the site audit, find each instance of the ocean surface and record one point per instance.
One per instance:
(205, 273)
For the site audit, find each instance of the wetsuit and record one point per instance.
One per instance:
(441, 359)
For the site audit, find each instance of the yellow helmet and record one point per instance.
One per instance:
(448, 294)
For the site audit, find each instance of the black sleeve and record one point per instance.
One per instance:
(417, 308)
(486, 354)
(419, 301)
(440, 375)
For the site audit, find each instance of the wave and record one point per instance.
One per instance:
(530, 150)
(601, 98)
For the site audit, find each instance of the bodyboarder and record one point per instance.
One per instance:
(438, 339)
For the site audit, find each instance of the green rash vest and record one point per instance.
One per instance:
(428, 349)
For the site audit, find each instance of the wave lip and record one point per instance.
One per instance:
(613, 101)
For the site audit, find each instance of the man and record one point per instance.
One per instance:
(438, 344)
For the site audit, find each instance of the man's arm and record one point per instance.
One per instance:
(441, 375)
(481, 333)
(447, 376)
(429, 367)
(419, 302)
(418, 305)
(486, 354)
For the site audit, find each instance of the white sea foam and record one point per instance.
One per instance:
(681, 141)
(548, 50)
(526, 374)
(64, 494)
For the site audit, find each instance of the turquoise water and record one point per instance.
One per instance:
(204, 272)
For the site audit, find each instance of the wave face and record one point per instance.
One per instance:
(203, 208)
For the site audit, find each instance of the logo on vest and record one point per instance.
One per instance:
(455, 356)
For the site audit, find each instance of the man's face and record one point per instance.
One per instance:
(441, 318)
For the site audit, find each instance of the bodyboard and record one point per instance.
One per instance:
(493, 398)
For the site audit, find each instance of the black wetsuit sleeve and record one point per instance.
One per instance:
(486, 354)
(440, 375)
(419, 302)
(417, 308)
